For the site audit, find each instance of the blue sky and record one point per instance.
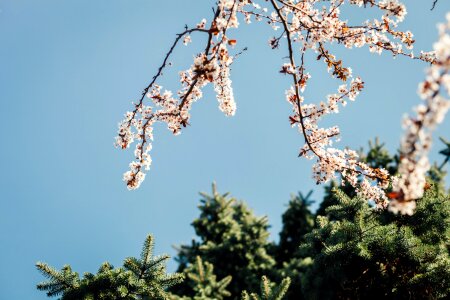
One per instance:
(68, 72)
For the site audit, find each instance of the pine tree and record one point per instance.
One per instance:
(295, 269)
(297, 221)
(350, 251)
(364, 253)
(203, 283)
(357, 252)
(143, 278)
(268, 291)
(231, 238)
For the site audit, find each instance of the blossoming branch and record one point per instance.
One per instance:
(416, 142)
(305, 26)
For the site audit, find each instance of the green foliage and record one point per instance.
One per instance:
(143, 278)
(297, 221)
(329, 199)
(346, 250)
(202, 282)
(357, 252)
(268, 291)
(233, 239)
(364, 253)
(294, 269)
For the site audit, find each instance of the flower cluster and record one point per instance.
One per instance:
(313, 26)
(158, 105)
(306, 26)
(416, 141)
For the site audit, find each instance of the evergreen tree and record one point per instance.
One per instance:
(268, 291)
(328, 199)
(233, 239)
(365, 253)
(350, 251)
(297, 221)
(143, 278)
(302, 266)
(203, 283)
(295, 269)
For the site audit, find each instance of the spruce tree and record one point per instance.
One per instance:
(231, 238)
(202, 283)
(141, 278)
(268, 290)
(350, 251)
(357, 252)
(361, 253)
(297, 221)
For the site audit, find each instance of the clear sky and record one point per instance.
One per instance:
(68, 72)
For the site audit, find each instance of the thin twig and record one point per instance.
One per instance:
(434, 4)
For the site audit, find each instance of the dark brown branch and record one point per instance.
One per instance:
(294, 75)
(161, 68)
(434, 4)
(297, 93)
(185, 97)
